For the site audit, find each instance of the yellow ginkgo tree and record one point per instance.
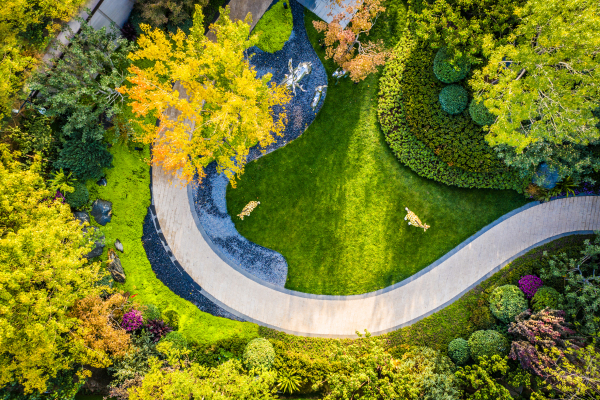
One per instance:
(212, 104)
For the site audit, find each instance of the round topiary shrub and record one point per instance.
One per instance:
(488, 343)
(79, 197)
(151, 312)
(480, 114)
(530, 284)
(179, 341)
(506, 302)
(459, 352)
(454, 99)
(449, 72)
(545, 297)
(171, 317)
(259, 354)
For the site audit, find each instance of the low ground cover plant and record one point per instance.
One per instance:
(274, 27)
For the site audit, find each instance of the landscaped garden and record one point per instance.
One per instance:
(416, 125)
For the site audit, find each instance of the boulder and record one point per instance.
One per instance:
(83, 217)
(114, 267)
(102, 211)
(102, 182)
(119, 245)
(98, 237)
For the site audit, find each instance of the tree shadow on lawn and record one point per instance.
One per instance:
(332, 201)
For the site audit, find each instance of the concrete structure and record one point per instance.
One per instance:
(382, 311)
(327, 9)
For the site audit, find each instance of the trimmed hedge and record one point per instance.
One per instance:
(447, 72)
(545, 297)
(488, 343)
(458, 351)
(425, 138)
(259, 354)
(480, 114)
(454, 99)
(506, 302)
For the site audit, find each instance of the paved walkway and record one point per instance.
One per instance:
(379, 312)
(327, 9)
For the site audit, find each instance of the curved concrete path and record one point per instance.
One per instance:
(382, 311)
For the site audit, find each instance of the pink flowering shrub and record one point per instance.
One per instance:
(132, 320)
(529, 284)
(537, 334)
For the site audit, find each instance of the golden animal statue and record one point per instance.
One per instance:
(414, 220)
(248, 209)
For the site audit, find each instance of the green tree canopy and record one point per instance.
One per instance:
(82, 85)
(546, 87)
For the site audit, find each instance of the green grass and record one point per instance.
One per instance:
(332, 201)
(128, 189)
(274, 28)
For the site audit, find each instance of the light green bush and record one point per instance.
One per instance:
(178, 340)
(447, 72)
(453, 99)
(488, 343)
(259, 354)
(274, 27)
(171, 318)
(458, 351)
(506, 302)
(545, 297)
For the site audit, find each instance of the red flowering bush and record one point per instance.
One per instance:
(529, 284)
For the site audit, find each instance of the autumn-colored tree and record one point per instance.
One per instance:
(347, 45)
(219, 107)
(17, 54)
(42, 274)
(100, 329)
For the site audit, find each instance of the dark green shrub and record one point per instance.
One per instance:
(151, 312)
(488, 343)
(445, 71)
(545, 297)
(458, 351)
(448, 149)
(86, 160)
(213, 354)
(171, 317)
(506, 302)
(480, 114)
(454, 99)
(178, 340)
(259, 354)
(274, 28)
(79, 197)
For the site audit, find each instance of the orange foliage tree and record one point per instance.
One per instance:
(222, 108)
(99, 329)
(346, 45)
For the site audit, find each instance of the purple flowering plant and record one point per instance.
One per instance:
(132, 320)
(530, 284)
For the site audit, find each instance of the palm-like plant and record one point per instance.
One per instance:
(288, 381)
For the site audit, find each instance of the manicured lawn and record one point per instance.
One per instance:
(332, 201)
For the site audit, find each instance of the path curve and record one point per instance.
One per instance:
(382, 311)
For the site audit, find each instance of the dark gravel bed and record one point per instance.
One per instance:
(168, 270)
(209, 198)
